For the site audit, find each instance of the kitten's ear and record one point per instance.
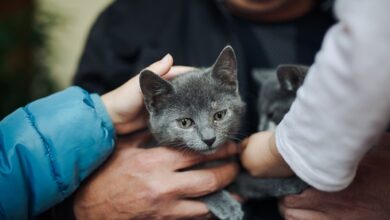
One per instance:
(154, 88)
(225, 68)
(291, 76)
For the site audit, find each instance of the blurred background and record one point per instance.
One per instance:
(40, 45)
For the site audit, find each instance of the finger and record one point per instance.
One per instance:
(304, 214)
(162, 66)
(177, 70)
(282, 208)
(159, 67)
(195, 183)
(186, 160)
(229, 149)
(309, 198)
(190, 209)
(181, 160)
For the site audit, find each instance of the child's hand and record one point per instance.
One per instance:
(125, 104)
(261, 157)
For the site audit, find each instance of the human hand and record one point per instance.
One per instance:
(138, 183)
(125, 104)
(366, 198)
(261, 157)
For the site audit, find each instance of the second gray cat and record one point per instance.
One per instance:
(277, 92)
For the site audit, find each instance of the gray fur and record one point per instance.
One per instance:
(248, 186)
(223, 206)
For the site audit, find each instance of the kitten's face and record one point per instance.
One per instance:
(198, 110)
(278, 91)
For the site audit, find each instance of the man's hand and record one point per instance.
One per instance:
(125, 104)
(138, 183)
(368, 197)
(261, 157)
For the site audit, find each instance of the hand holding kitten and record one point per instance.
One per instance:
(152, 184)
(125, 104)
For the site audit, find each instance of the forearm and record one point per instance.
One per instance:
(344, 103)
(48, 147)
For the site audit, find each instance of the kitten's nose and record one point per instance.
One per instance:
(209, 142)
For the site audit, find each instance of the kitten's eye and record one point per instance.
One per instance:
(185, 122)
(219, 115)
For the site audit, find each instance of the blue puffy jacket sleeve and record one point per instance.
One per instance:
(48, 147)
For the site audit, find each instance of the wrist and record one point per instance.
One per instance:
(262, 158)
(108, 103)
(280, 168)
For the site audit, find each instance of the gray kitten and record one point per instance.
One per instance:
(277, 92)
(198, 111)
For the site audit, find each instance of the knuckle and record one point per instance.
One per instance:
(210, 182)
(289, 215)
(154, 193)
(289, 201)
(162, 190)
(149, 196)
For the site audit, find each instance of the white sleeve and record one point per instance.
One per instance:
(344, 103)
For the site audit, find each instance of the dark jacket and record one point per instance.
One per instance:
(131, 34)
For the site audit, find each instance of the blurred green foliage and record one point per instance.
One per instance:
(23, 47)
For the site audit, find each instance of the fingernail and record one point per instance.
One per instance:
(165, 59)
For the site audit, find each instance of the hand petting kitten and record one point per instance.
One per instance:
(125, 104)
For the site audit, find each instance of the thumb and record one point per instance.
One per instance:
(131, 91)
(162, 66)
